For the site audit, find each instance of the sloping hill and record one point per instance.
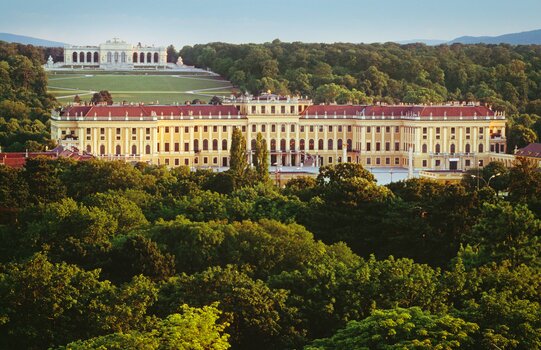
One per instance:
(522, 38)
(28, 40)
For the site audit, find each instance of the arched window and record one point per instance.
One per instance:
(424, 148)
(301, 144)
(156, 57)
(134, 149)
(350, 145)
(292, 144)
(74, 58)
(116, 57)
(339, 144)
(142, 57)
(311, 144)
(214, 145)
(282, 144)
(224, 144)
(273, 145)
(109, 57)
(149, 57)
(147, 149)
(330, 144)
(253, 144)
(96, 57)
(135, 57)
(117, 150)
(205, 145)
(438, 149)
(468, 148)
(480, 148)
(102, 150)
(89, 56)
(123, 57)
(81, 57)
(196, 145)
(320, 144)
(453, 148)
(88, 149)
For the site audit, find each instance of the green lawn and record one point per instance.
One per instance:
(149, 88)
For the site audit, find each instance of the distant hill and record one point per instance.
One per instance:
(522, 38)
(28, 40)
(424, 41)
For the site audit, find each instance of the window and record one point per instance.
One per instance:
(205, 160)
(468, 148)
(177, 147)
(330, 160)
(196, 128)
(453, 148)
(186, 161)
(254, 128)
(186, 129)
(292, 109)
(368, 161)
(330, 144)
(396, 161)
(481, 163)
(118, 131)
(102, 131)
(302, 128)
(263, 109)
(224, 128)
(167, 147)
(378, 161)
(452, 131)
(424, 148)
(283, 128)
(339, 128)
(243, 128)
(330, 128)
(425, 130)
(215, 160)
(481, 130)
(387, 161)
(283, 109)
(224, 144)
(176, 130)
(368, 129)
(253, 109)
(311, 128)
(214, 128)
(321, 128)
(480, 148)
(467, 130)
(273, 109)
(378, 146)
(292, 128)
(397, 146)
(468, 162)
(273, 128)
(396, 129)
(166, 161)
(205, 128)
(387, 129)
(438, 162)
(349, 128)
(186, 147)
(166, 129)
(438, 149)
(387, 146)
(378, 130)
(424, 163)
(437, 130)
(177, 162)
(368, 146)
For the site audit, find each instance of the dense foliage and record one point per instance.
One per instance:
(25, 106)
(508, 78)
(107, 255)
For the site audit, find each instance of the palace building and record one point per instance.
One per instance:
(298, 133)
(115, 54)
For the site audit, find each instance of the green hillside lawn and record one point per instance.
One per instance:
(153, 88)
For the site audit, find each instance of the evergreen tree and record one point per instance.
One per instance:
(238, 163)
(261, 158)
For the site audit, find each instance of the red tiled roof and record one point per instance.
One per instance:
(149, 110)
(18, 159)
(532, 150)
(399, 110)
(331, 109)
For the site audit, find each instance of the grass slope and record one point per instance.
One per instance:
(147, 88)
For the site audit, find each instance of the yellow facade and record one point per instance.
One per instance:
(296, 131)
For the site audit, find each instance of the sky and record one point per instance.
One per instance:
(188, 22)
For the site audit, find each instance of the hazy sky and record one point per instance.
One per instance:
(186, 22)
